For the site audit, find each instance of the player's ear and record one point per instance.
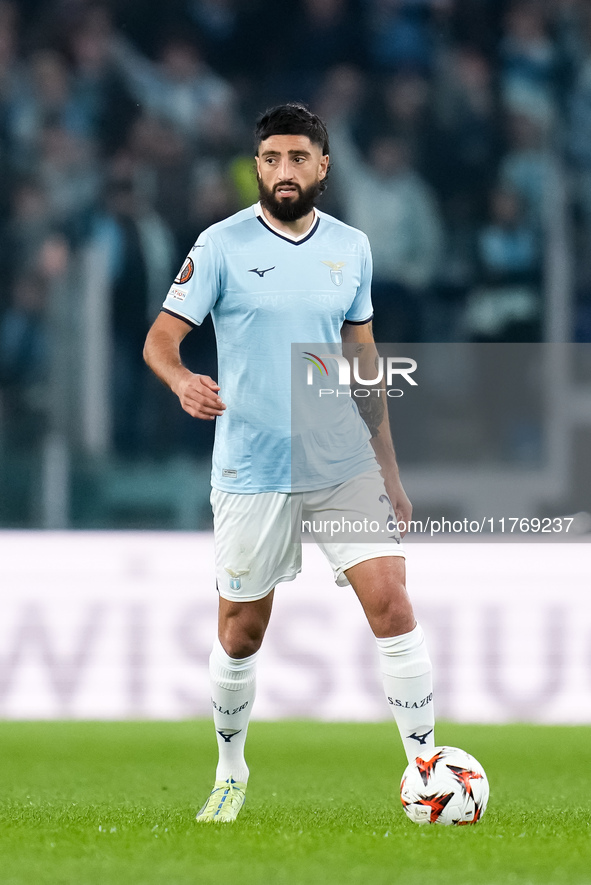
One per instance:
(324, 161)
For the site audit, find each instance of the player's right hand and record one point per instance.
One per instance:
(199, 396)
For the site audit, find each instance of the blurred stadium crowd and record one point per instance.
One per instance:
(125, 130)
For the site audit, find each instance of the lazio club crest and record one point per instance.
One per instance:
(235, 582)
(336, 272)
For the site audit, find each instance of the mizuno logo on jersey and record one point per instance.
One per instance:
(261, 273)
(336, 271)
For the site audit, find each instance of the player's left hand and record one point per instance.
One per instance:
(400, 502)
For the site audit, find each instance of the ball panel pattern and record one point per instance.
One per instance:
(449, 787)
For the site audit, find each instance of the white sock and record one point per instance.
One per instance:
(232, 695)
(406, 671)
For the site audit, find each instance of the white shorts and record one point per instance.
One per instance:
(258, 537)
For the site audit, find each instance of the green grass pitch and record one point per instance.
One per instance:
(110, 803)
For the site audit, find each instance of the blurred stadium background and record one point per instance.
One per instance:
(461, 143)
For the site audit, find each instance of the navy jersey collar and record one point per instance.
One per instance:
(295, 241)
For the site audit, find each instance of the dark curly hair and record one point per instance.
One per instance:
(291, 119)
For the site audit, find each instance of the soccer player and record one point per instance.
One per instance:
(278, 273)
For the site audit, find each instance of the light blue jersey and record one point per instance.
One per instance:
(267, 291)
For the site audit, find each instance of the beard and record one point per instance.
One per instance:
(289, 209)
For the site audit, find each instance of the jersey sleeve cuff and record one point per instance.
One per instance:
(180, 316)
(359, 322)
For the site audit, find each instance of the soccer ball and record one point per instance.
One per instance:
(447, 787)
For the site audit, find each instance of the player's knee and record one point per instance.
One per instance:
(390, 612)
(242, 625)
(240, 638)
(397, 623)
(239, 646)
